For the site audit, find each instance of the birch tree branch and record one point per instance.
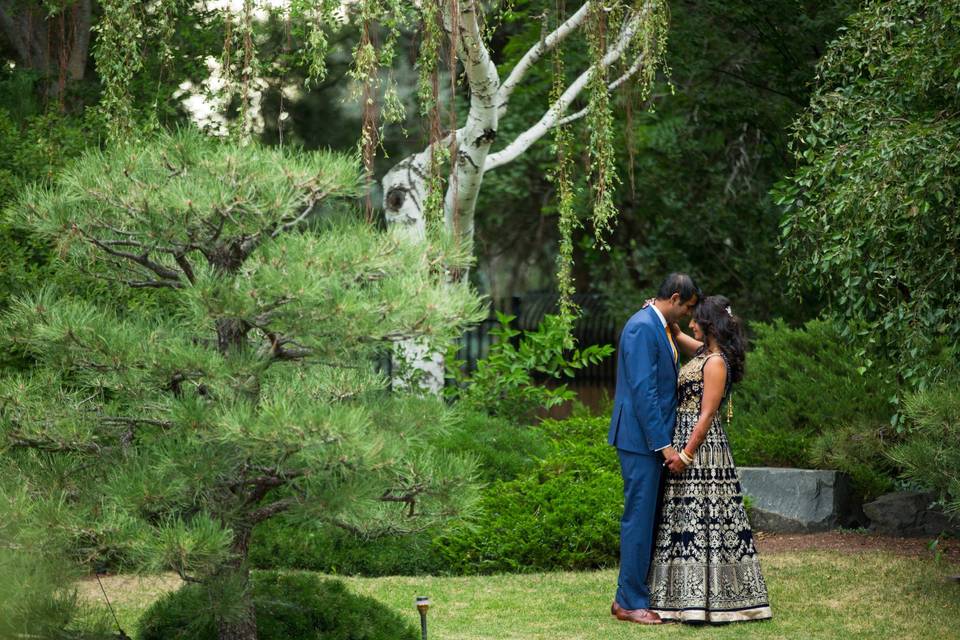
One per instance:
(536, 52)
(554, 114)
(637, 64)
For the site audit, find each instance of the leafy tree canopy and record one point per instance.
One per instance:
(871, 211)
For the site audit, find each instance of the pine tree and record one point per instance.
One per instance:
(224, 369)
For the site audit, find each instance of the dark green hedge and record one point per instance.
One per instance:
(808, 400)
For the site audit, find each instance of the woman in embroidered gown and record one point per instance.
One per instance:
(705, 566)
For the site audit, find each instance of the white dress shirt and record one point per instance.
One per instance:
(664, 322)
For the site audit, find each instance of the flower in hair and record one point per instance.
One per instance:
(729, 311)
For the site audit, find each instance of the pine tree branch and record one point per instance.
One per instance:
(20, 440)
(282, 352)
(315, 196)
(409, 497)
(168, 275)
(272, 509)
(129, 420)
(186, 267)
(187, 577)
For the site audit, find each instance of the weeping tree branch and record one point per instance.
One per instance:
(404, 186)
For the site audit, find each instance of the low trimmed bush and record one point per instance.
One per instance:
(288, 605)
(562, 515)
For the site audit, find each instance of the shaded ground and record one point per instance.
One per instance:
(855, 542)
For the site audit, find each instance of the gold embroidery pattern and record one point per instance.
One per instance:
(705, 565)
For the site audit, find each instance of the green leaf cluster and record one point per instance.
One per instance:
(505, 382)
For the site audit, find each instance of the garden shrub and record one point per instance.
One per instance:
(562, 515)
(806, 400)
(800, 383)
(288, 605)
(503, 448)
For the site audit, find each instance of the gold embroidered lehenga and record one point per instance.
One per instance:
(705, 565)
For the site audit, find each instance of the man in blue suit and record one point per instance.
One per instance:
(641, 428)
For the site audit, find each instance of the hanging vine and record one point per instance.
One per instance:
(119, 58)
(562, 178)
(309, 20)
(428, 95)
(248, 71)
(602, 156)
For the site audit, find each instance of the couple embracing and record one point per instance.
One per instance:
(686, 547)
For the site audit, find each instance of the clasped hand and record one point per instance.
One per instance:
(673, 462)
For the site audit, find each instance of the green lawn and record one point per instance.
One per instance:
(813, 594)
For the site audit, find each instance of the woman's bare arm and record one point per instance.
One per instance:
(687, 345)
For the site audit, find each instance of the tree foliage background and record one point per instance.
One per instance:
(871, 221)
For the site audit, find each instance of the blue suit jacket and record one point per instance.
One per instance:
(645, 404)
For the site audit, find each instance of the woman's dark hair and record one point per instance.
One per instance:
(716, 318)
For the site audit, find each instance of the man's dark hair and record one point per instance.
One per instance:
(679, 283)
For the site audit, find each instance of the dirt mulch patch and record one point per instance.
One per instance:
(853, 542)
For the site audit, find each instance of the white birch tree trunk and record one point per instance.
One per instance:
(405, 185)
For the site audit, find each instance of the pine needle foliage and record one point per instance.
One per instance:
(930, 456)
(174, 429)
(37, 596)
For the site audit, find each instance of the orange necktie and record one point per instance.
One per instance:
(672, 343)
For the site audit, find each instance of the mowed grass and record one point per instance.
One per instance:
(814, 595)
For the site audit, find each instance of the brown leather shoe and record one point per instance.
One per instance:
(640, 616)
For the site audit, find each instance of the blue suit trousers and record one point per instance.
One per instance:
(641, 491)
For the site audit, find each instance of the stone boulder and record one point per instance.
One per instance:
(908, 513)
(797, 500)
